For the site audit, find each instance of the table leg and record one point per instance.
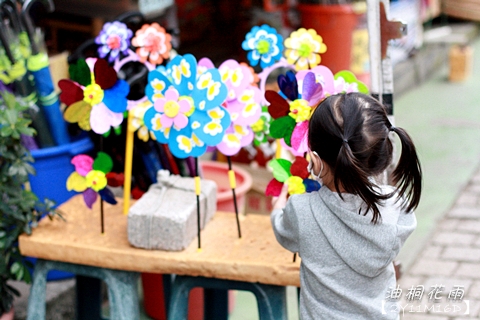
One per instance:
(271, 300)
(122, 293)
(36, 300)
(122, 288)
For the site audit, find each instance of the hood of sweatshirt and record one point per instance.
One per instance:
(366, 247)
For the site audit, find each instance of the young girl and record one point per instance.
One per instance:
(348, 233)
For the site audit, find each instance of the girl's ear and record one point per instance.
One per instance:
(317, 162)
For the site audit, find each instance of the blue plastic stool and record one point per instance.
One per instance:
(122, 288)
(271, 300)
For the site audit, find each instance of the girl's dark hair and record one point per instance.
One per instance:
(350, 133)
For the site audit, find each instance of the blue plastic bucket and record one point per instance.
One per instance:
(53, 166)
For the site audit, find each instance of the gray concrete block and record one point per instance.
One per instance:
(165, 217)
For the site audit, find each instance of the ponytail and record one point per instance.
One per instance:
(407, 176)
(355, 180)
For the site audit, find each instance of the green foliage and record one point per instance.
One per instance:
(20, 209)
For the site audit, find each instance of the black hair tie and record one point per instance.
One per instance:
(345, 141)
(392, 128)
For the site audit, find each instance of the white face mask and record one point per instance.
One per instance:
(310, 169)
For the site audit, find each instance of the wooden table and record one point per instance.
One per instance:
(256, 262)
(255, 258)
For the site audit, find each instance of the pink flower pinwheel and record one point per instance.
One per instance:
(243, 104)
(172, 109)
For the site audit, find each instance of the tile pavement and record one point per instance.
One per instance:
(451, 258)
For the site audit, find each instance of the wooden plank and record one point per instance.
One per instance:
(257, 257)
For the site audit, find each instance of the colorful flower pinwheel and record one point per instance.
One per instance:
(113, 39)
(137, 111)
(261, 128)
(323, 76)
(179, 88)
(153, 43)
(291, 118)
(242, 103)
(346, 81)
(303, 48)
(342, 82)
(96, 98)
(90, 178)
(295, 175)
(263, 44)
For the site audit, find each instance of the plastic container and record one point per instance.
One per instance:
(52, 166)
(218, 172)
(335, 24)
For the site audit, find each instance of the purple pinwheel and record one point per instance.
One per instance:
(113, 39)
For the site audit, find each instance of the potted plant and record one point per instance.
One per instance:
(20, 209)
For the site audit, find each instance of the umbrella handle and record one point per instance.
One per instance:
(9, 7)
(27, 20)
(6, 45)
(131, 16)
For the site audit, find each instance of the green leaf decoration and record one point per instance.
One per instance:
(80, 72)
(103, 163)
(281, 169)
(283, 128)
(349, 77)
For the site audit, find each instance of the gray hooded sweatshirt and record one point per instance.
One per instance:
(346, 270)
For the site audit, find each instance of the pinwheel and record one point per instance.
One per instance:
(96, 99)
(263, 44)
(114, 38)
(187, 113)
(261, 128)
(303, 48)
(137, 111)
(295, 175)
(153, 43)
(182, 95)
(243, 104)
(291, 118)
(346, 81)
(90, 178)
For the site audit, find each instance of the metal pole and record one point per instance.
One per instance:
(374, 47)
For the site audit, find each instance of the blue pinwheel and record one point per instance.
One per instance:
(264, 44)
(187, 112)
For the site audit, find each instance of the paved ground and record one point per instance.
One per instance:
(451, 258)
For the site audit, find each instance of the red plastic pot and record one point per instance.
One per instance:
(335, 24)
